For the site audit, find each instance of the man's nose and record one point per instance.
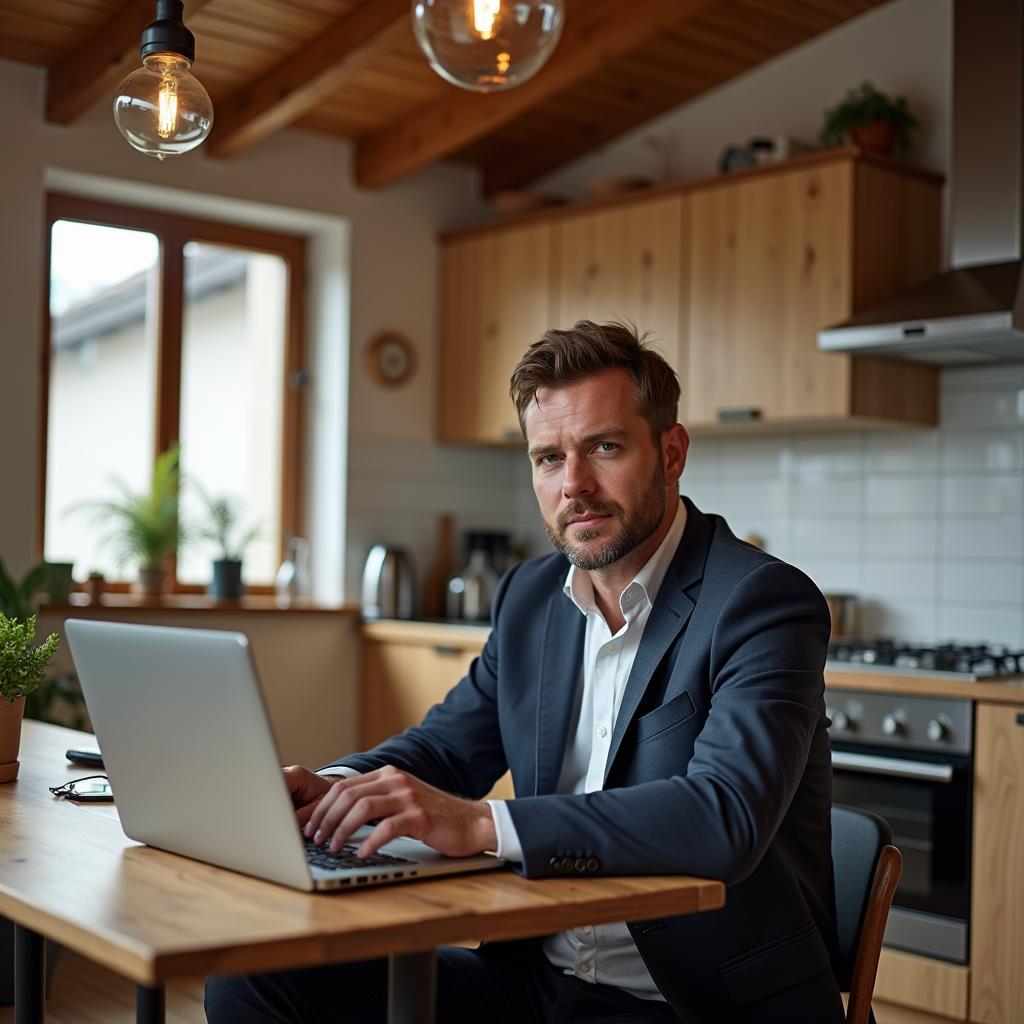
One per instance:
(577, 479)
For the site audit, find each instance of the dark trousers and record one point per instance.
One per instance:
(504, 983)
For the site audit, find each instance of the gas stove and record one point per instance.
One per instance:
(970, 662)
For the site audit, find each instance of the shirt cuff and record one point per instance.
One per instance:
(508, 839)
(340, 769)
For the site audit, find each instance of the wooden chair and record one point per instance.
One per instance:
(867, 867)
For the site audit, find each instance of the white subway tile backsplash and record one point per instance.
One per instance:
(980, 624)
(991, 450)
(891, 579)
(901, 498)
(979, 582)
(916, 453)
(765, 496)
(904, 619)
(982, 538)
(825, 457)
(832, 575)
(825, 498)
(996, 497)
(822, 538)
(763, 457)
(973, 409)
(903, 538)
(996, 377)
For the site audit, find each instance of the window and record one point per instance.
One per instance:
(164, 329)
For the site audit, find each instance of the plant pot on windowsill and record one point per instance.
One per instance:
(227, 580)
(151, 582)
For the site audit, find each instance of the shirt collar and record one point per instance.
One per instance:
(580, 590)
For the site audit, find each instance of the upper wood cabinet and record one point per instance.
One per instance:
(997, 893)
(497, 299)
(733, 276)
(625, 263)
(776, 256)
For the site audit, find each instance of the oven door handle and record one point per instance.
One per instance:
(894, 766)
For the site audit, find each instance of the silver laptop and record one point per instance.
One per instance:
(188, 749)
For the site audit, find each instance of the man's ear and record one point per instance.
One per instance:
(675, 443)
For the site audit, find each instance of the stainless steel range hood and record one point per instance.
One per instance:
(974, 313)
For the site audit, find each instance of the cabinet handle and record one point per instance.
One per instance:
(444, 649)
(732, 415)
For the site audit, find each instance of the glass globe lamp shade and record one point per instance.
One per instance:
(162, 109)
(487, 45)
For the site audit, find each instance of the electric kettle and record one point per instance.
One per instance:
(388, 584)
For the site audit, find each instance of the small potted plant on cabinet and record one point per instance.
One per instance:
(222, 527)
(145, 527)
(22, 664)
(871, 120)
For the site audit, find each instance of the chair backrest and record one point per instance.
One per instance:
(867, 868)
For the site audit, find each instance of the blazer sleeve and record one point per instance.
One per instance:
(766, 676)
(458, 746)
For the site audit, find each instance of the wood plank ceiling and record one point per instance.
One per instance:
(351, 68)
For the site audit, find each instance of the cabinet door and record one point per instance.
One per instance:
(997, 893)
(402, 682)
(770, 263)
(496, 301)
(624, 263)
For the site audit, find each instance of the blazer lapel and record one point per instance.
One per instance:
(671, 612)
(562, 659)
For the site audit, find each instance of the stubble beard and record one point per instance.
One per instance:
(630, 534)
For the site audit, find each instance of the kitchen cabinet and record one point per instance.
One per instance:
(406, 670)
(997, 893)
(625, 262)
(497, 299)
(776, 256)
(732, 275)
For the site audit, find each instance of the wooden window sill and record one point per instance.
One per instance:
(120, 604)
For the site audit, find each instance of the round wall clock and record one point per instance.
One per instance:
(390, 358)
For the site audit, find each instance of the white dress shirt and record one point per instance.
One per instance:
(602, 953)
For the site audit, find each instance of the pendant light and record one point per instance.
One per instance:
(487, 45)
(162, 109)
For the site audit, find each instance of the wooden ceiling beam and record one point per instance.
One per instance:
(98, 64)
(278, 98)
(595, 33)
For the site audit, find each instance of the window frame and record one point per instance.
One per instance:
(173, 232)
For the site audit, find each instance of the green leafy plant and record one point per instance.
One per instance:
(143, 528)
(22, 663)
(223, 526)
(18, 597)
(863, 106)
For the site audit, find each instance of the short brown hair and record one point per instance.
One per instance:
(565, 357)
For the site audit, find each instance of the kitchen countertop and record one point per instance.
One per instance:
(469, 635)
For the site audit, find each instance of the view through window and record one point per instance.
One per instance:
(165, 330)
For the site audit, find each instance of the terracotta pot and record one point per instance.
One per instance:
(151, 582)
(877, 137)
(10, 738)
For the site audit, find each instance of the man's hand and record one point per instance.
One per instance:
(306, 789)
(405, 806)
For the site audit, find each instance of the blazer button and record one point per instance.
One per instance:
(593, 864)
(580, 864)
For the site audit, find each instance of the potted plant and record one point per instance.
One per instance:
(145, 528)
(871, 120)
(22, 664)
(223, 528)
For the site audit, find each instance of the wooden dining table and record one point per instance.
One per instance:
(68, 873)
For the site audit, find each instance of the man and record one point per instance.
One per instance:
(656, 690)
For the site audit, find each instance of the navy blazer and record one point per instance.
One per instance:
(719, 766)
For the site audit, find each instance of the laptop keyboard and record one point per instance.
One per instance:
(346, 858)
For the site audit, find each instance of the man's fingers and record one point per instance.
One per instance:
(340, 799)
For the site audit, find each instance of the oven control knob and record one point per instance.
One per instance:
(892, 725)
(841, 721)
(937, 730)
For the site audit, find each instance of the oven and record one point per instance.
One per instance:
(908, 759)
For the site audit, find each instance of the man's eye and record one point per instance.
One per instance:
(607, 446)
(547, 460)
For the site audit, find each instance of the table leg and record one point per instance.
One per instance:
(412, 988)
(149, 1004)
(29, 977)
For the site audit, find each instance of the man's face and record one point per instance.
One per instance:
(599, 477)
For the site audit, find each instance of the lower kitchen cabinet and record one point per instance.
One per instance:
(997, 914)
(406, 674)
